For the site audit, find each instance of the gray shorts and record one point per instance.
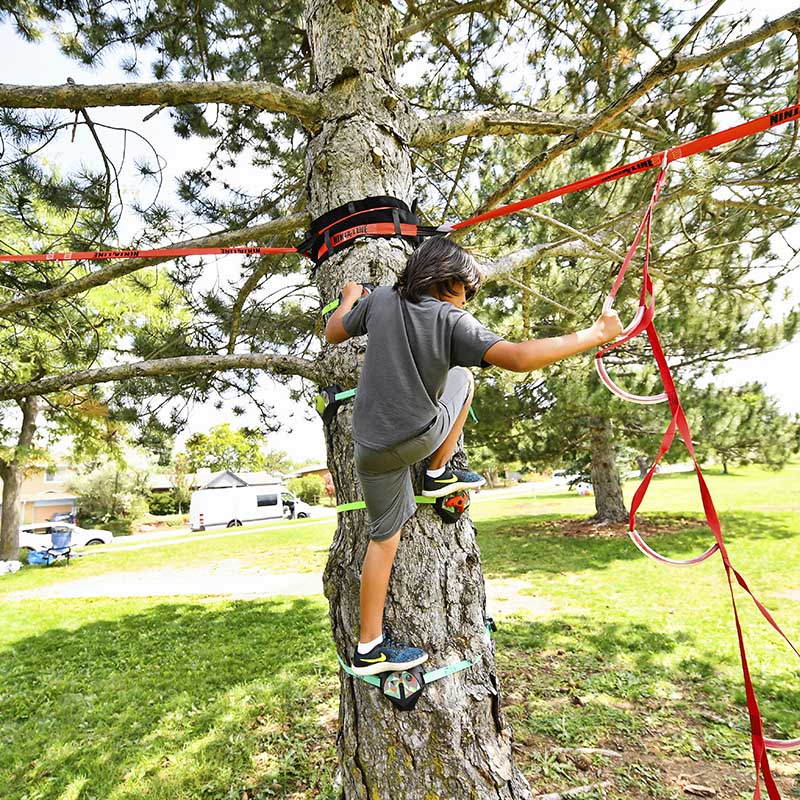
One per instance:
(385, 475)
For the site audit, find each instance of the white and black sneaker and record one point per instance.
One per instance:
(387, 656)
(451, 480)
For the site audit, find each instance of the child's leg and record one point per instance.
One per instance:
(375, 574)
(446, 449)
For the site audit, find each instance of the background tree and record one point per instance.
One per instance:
(69, 337)
(743, 425)
(225, 448)
(114, 493)
(180, 472)
(481, 110)
(277, 462)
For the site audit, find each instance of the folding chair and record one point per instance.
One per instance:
(61, 547)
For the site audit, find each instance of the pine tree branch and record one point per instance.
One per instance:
(572, 248)
(444, 127)
(259, 94)
(452, 10)
(595, 244)
(183, 365)
(122, 268)
(668, 67)
(788, 22)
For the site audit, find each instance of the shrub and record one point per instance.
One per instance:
(309, 488)
(163, 503)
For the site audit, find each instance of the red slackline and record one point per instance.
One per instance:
(680, 151)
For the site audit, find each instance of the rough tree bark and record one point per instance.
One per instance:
(12, 472)
(608, 500)
(456, 743)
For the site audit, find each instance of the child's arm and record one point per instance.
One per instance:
(334, 330)
(538, 353)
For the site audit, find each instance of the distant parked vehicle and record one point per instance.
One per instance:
(39, 535)
(232, 506)
(64, 516)
(295, 507)
(563, 476)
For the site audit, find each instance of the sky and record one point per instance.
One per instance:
(301, 434)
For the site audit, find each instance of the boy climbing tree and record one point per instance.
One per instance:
(413, 398)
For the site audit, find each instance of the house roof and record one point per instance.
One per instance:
(310, 468)
(209, 480)
(229, 478)
(52, 496)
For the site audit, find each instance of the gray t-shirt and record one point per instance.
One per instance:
(406, 365)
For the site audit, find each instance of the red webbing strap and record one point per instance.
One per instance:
(691, 148)
(760, 755)
(371, 229)
(162, 252)
(680, 424)
(646, 307)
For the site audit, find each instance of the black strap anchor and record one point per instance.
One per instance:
(379, 216)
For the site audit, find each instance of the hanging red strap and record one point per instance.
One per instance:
(679, 423)
(646, 309)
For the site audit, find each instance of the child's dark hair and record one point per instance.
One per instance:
(437, 264)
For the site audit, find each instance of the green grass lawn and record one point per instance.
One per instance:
(196, 698)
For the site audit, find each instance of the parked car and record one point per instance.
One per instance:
(64, 516)
(37, 536)
(563, 476)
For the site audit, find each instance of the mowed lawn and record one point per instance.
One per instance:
(198, 697)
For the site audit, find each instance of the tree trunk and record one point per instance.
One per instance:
(456, 742)
(605, 476)
(12, 472)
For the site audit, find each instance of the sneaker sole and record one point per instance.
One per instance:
(452, 488)
(389, 666)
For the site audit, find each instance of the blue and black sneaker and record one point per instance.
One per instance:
(451, 480)
(388, 656)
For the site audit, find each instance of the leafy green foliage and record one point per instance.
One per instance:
(224, 448)
(744, 425)
(112, 491)
(162, 504)
(309, 488)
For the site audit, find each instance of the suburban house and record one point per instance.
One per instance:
(313, 469)
(44, 493)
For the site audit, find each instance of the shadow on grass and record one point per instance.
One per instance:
(178, 701)
(226, 700)
(574, 682)
(515, 546)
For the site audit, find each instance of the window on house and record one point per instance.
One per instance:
(55, 475)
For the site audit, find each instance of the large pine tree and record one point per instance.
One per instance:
(465, 105)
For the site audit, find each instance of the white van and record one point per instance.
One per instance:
(231, 506)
